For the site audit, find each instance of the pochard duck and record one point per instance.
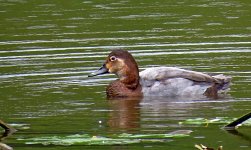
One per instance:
(157, 81)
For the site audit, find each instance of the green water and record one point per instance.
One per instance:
(47, 49)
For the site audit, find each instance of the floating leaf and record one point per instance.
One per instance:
(78, 139)
(217, 120)
(196, 121)
(247, 123)
(20, 126)
(203, 147)
(153, 136)
(85, 139)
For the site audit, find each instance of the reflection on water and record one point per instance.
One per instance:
(47, 49)
(133, 113)
(125, 114)
(242, 135)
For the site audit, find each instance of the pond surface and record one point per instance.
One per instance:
(47, 49)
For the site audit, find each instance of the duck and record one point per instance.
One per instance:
(157, 81)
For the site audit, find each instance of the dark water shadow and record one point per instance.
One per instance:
(233, 126)
(241, 135)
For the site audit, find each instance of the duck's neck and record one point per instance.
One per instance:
(129, 77)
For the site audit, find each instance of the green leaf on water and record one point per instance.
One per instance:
(85, 139)
(217, 120)
(78, 139)
(153, 136)
(20, 126)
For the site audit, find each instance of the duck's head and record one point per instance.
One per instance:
(121, 63)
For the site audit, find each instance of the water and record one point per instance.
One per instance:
(47, 49)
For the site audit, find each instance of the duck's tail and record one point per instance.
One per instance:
(223, 82)
(220, 85)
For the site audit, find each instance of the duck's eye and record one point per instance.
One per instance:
(113, 58)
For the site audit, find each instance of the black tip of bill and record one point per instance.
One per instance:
(92, 74)
(102, 70)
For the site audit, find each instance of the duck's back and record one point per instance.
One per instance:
(172, 81)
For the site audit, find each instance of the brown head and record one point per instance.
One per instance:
(121, 63)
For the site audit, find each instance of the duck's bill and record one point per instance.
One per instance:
(102, 70)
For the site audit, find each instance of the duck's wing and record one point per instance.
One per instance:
(175, 81)
(163, 73)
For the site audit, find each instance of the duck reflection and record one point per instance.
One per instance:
(125, 113)
(131, 113)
